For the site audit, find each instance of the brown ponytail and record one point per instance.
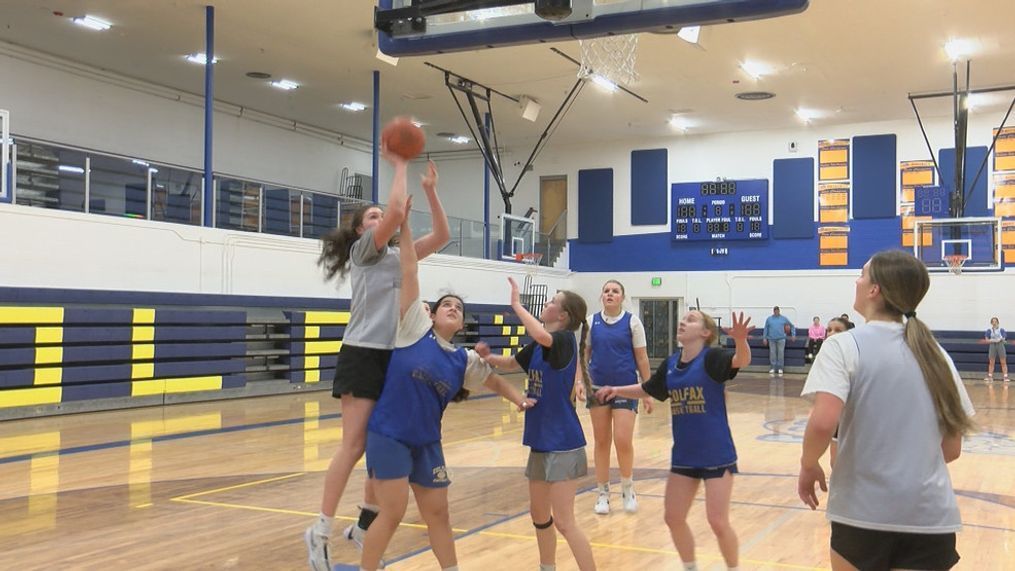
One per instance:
(904, 281)
(577, 310)
(336, 245)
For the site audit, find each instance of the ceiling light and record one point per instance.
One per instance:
(690, 34)
(974, 100)
(352, 106)
(603, 82)
(92, 23)
(257, 74)
(459, 140)
(806, 115)
(139, 162)
(418, 123)
(755, 69)
(200, 58)
(285, 84)
(71, 169)
(679, 122)
(959, 48)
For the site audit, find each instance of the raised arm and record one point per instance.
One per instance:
(439, 236)
(501, 386)
(409, 293)
(505, 363)
(532, 325)
(739, 332)
(397, 209)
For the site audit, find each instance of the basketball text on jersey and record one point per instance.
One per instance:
(687, 400)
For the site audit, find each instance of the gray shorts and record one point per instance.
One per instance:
(557, 466)
(997, 351)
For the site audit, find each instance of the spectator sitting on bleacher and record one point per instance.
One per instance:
(997, 337)
(815, 335)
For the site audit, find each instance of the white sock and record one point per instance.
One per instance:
(452, 568)
(627, 484)
(322, 525)
(737, 568)
(690, 566)
(604, 488)
(547, 567)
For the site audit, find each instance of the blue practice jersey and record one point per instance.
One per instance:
(552, 425)
(612, 361)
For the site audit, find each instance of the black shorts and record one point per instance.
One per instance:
(874, 550)
(360, 372)
(705, 473)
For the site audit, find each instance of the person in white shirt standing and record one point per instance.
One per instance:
(891, 503)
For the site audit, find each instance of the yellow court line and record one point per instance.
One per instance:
(238, 486)
(290, 512)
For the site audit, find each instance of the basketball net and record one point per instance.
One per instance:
(955, 263)
(612, 57)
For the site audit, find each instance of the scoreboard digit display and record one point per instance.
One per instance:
(719, 210)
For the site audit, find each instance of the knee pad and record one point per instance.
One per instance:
(543, 525)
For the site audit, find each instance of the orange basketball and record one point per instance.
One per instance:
(403, 138)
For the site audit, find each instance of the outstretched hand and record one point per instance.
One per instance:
(429, 180)
(516, 297)
(741, 327)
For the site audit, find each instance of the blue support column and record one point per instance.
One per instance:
(486, 199)
(209, 104)
(377, 136)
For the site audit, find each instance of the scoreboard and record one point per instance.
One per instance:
(719, 210)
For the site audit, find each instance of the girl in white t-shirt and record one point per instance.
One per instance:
(891, 502)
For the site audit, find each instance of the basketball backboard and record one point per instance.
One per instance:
(518, 236)
(976, 239)
(418, 27)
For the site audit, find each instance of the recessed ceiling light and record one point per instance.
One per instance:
(285, 84)
(200, 58)
(603, 82)
(459, 140)
(806, 115)
(959, 48)
(353, 106)
(755, 69)
(92, 23)
(71, 169)
(755, 95)
(974, 100)
(679, 122)
(258, 75)
(690, 34)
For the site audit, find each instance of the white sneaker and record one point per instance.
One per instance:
(771, 372)
(630, 501)
(355, 534)
(779, 373)
(317, 550)
(603, 503)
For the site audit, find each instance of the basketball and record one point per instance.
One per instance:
(403, 138)
(788, 329)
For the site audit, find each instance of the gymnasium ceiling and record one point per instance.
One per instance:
(850, 60)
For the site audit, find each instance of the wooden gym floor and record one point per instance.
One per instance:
(232, 485)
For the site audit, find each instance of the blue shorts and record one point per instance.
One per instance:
(390, 459)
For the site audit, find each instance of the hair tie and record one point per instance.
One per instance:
(910, 314)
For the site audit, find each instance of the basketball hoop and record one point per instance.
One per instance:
(611, 58)
(955, 263)
(529, 258)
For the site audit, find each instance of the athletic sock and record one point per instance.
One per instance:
(690, 566)
(322, 525)
(604, 488)
(547, 567)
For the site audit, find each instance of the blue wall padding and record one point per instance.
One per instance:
(976, 203)
(649, 182)
(793, 198)
(875, 172)
(595, 206)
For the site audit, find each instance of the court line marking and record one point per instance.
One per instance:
(238, 486)
(183, 435)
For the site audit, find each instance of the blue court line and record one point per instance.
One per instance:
(180, 436)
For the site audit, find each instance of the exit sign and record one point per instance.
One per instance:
(656, 282)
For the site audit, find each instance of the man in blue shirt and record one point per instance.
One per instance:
(777, 328)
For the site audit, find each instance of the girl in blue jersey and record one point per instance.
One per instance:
(403, 446)
(617, 355)
(693, 380)
(362, 251)
(552, 430)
